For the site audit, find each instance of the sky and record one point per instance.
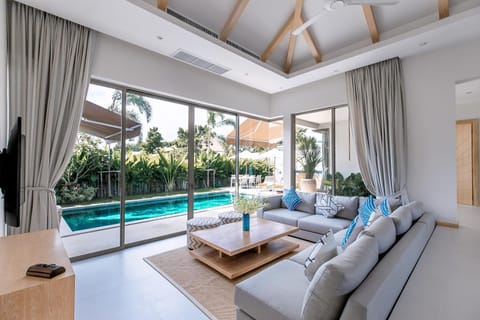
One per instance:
(166, 116)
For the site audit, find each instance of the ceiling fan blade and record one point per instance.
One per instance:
(371, 2)
(308, 23)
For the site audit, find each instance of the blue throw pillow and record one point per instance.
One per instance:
(291, 199)
(367, 208)
(348, 234)
(385, 207)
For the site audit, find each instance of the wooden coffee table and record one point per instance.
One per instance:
(233, 252)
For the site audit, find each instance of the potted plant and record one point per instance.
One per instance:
(309, 157)
(246, 206)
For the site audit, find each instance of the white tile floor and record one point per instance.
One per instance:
(122, 286)
(445, 284)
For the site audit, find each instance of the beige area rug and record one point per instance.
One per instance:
(205, 287)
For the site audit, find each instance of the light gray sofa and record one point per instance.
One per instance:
(280, 292)
(312, 225)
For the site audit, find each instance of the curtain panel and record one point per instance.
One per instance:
(49, 61)
(377, 108)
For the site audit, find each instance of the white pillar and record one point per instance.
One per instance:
(288, 152)
(3, 93)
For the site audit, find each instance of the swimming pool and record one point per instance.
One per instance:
(94, 216)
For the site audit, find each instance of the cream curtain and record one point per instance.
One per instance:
(376, 102)
(49, 71)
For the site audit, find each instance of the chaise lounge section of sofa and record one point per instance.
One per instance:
(280, 292)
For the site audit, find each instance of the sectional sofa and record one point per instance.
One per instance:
(362, 282)
(313, 225)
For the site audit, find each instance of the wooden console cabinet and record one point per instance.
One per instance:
(24, 297)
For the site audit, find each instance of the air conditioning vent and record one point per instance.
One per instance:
(209, 32)
(199, 62)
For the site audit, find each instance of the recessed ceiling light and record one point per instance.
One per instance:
(422, 44)
(468, 92)
(159, 37)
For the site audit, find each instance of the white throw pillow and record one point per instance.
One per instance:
(324, 250)
(328, 207)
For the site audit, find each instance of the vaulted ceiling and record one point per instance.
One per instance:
(251, 42)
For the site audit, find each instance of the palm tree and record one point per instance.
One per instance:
(143, 106)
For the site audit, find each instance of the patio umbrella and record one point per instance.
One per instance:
(258, 133)
(106, 124)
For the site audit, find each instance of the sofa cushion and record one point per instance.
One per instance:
(291, 199)
(383, 230)
(352, 232)
(329, 288)
(327, 206)
(274, 202)
(416, 209)
(366, 210)
(429, 220)
(302, 255)
(275, 293)
(324, 250)
(284, 216)
(350, 206)
(402, 219)
(320, 224)
(308, 202)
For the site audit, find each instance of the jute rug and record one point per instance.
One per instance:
(205, 287)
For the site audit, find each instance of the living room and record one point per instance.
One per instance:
(430, 73)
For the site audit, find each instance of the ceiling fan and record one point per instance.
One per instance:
(333, 5)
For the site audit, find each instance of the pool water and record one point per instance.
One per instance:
(81, 218)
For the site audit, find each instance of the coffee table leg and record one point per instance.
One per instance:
(259, 249)
(220, 254)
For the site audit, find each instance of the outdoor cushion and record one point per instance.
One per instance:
(324, 250)
(416, 209)
(402, 219)
(275, 293)
(285, 216)
(329, 288)
(383, 230)
(320, 224)
(350, 206)
(308, 202)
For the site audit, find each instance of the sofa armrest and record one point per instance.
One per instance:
(260, 212)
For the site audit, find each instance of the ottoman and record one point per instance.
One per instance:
(229, 217)
(199, 223)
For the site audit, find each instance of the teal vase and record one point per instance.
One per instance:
(246, 222)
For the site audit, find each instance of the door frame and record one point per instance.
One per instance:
(474, 125)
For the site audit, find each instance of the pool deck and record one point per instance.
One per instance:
(93, 240)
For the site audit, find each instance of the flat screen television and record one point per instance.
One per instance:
(11, 174)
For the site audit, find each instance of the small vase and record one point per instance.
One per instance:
(246, 222)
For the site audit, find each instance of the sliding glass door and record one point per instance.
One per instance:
(88, 195)
(155, 168)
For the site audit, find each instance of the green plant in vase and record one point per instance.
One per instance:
(246, 206)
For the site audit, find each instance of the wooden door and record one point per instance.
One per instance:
(467, 162)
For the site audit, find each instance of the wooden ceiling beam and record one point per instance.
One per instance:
(293, 39)
(371, 23)
(443, 11)
(311, 43)
(232, 19)
(162, 4)
(287, 26)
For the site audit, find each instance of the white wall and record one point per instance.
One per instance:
(467, 112)
(3, 92)
(124, 63)
(430, 110)
(430, 98)
(324, 93)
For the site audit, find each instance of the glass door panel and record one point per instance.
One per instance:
(214, 162)
(88, 195)
(155, 167)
